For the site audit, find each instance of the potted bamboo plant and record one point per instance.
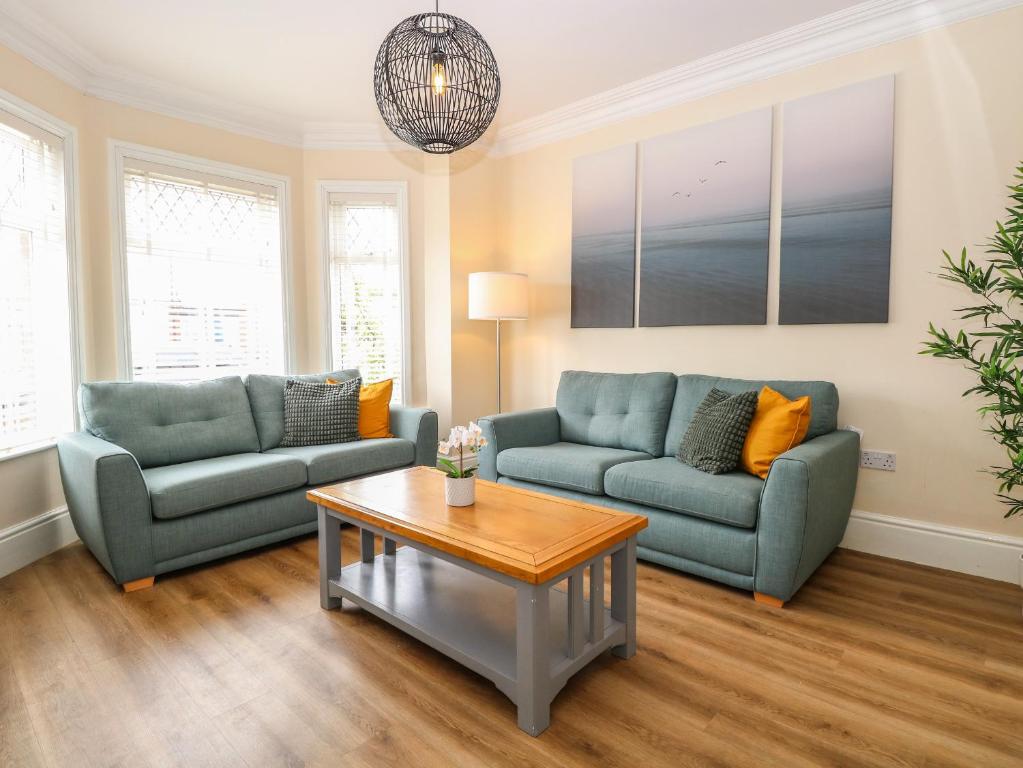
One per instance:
(994, 351)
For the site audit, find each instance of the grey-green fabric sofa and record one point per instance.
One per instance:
(165, 476)
(611, 440)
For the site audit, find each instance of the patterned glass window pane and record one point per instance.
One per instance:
(204, 275)
(36, 389)
(366, 289)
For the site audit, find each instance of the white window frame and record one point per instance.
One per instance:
(69, 135)
(400, 190)
(119, 151)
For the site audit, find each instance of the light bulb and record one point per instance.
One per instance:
(439, 77)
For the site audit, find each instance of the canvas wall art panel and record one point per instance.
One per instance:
(706, 204)
(604, 239)
(837, 205)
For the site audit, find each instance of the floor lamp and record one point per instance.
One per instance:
(498, 296)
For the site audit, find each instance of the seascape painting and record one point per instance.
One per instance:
(604, 239)
(837, 205)
(706, 206)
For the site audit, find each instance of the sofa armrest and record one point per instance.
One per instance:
(516, 430)
(804, 509)
(109, 504)
(420, 426)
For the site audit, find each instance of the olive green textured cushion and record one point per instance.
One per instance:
(713, 442)
(266, 395)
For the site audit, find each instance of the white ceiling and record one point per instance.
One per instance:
(300, 72)
(312, 60)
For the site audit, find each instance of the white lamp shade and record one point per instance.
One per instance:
(498, 296)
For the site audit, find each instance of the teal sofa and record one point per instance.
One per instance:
(165, 476)
(611, 440)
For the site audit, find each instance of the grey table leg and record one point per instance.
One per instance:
(366, 545)
(330, 556)
(533, 660)
(597, 601)
(390, 546)
(576, 629)
(623, 596)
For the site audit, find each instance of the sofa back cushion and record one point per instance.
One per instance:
(162, 423)
(266, 396)
(616, 410)
(692, 388)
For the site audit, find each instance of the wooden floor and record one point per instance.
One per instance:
(875, 662)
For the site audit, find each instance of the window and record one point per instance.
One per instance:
(203, 271)
(366, 246)
(36, 280)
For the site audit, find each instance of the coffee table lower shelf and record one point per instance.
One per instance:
(476, 620)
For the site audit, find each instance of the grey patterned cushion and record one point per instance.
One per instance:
(318, 413)
(713, 442)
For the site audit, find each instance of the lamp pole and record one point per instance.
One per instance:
(498, 365)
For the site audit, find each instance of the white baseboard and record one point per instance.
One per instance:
(991, 555)
(37, 537)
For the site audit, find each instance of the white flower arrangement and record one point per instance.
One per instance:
(462, 440)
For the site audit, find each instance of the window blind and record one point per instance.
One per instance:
(36, 389)
(204, 274)
(367, 322)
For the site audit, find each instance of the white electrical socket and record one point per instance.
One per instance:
(883, 460)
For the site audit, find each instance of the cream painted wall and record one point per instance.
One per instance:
(30, 485)
(959, 134)
(475, 239)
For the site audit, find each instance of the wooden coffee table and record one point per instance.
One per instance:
(475, 582)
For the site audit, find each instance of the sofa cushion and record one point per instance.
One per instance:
(692, 388)
(195, 486)
(266, 396)
(339, 461)
(317, 413)
(732, 498)
(564, 465)
(161, 423)
(616, 410)
(713, 443)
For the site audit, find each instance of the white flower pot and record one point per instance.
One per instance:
(460, 491)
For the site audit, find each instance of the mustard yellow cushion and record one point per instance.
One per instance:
(778, 425)
(375, 409)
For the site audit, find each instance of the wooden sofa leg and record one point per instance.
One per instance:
(135, 586)
(770, 600)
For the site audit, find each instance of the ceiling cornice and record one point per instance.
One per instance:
(863, 26)
(858, 28)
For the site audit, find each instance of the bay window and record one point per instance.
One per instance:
(37, 388)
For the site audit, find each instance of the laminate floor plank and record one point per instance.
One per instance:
(874, 663)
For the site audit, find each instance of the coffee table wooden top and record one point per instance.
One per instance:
(529, 536)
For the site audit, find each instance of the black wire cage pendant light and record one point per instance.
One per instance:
(436, 82)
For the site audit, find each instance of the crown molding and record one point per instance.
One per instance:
(853, 29)
(26, 33)
(860, 27)
(358, 136)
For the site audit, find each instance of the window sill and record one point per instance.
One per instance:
(25, 450)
